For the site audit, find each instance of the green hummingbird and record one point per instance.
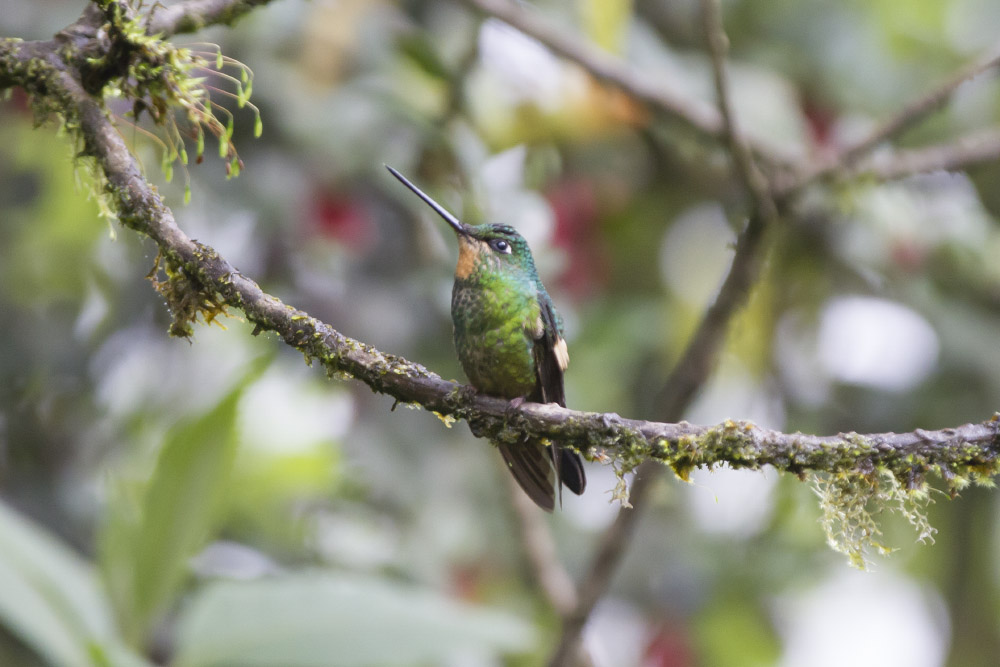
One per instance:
(509, 339)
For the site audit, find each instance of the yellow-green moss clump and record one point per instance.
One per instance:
(850, 502)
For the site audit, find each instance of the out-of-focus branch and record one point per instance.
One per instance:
(540, 550)
(709, 123)
(913, 112)
(917, 109)
(193, 15)
(746, 167)
(693, 113)
(964, 152)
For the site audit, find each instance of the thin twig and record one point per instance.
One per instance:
(967, 151)
(709, 123)
(743, 160)
(695, 114)
(607, 556)
(193, 15)
(913, 112)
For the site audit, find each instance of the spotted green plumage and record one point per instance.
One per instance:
(508, 336)
(496, 311)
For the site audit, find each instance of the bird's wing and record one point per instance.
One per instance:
(551, 359)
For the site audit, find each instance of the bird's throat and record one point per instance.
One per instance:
(469, 251)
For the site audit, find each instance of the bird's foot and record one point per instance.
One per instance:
(512, 407)
(610, 420)
(468, 392)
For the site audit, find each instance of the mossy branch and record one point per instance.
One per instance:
(193, 15)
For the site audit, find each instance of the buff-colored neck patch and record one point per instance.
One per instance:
(469, 250)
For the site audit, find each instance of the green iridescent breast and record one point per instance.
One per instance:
(495, 318)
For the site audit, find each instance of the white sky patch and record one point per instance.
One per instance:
(285, 412)
(733, 392)
(136, 370)
(732, 502)
(797, 361)
(502, 179)
(695, 253)
(594, 510)
(527, 70)
(862, 619)
(874, 342)
(615, 634)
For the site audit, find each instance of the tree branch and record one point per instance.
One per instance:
(917, 109)
(710, 124)
(695, 114)
(680, 445)
(193, 15)
(970, 150)
(913, 112)
(743, 161)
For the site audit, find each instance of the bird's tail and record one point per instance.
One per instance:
(541, 470)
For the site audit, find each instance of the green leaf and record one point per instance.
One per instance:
(178, 511)
(606, 22)
(302, 620)
(51, 599)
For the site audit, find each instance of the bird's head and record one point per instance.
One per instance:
(482, 249)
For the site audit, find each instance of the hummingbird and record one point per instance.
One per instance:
(509, 340)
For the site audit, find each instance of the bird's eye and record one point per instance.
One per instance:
(501, 246)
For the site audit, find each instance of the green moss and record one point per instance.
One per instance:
(186, 298)
(849, 503)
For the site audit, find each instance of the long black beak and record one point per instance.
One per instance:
(448, 217)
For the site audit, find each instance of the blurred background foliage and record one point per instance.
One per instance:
(215, 502)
